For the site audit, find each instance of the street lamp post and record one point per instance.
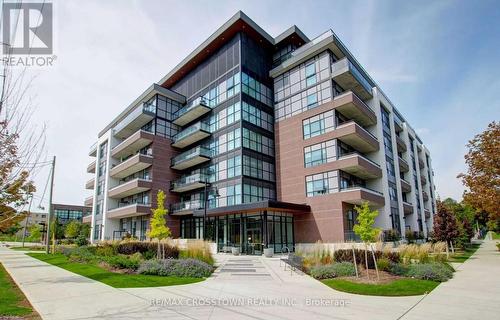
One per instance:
(205, 205)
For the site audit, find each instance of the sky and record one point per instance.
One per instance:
(438, 62)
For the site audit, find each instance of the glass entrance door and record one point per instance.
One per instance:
(253, 235)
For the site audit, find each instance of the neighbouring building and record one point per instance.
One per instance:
(260, 141)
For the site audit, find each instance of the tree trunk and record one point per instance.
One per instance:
(355, 264)
(452, 249)
(375, 262)
(447, 251)
(366, 262)
(158, 252)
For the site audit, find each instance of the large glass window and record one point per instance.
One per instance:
(257, 142)
(255, 89)
(322, 183)
(254, 193)
(257, 117)
(257, 168)
(319, 153)
(319, 124)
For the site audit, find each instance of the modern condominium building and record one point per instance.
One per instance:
(261, 142)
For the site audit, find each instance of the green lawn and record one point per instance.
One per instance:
(116, 280)
(401, 287)
(462, 256)
(496, 236)
(12, 300)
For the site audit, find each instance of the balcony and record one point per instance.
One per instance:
(405, 185)
(191, 158)
(129, 188)
(93, 150)
(403, 165)
(360, 166)
(401, 144)
(135, 120)
(357, 137)
(130, 166)
(352, 107)
(191, 112)
(358, 195)
(90, 184)
(91, 167)
(425, 196)
(421, 163)
(427, 213)
(349, 78)
(191, 134)
(398, 124)
(407, 208)
(185, 208)
(89, 201)
(87, 219)
(423, 179)
(132, 144)
(188, 183)
(127, 210)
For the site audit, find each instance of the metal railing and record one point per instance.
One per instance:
(145, 108)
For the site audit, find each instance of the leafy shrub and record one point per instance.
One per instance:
(81, 240)
(430, 271)
(176, 267)
(341, 269)
(383, 264)
(150, 254)
(131, 247)
(81, 254)
(198, 250)
(105, 250)
(124, 262)
(398, 269)
(345, 255)
(498, 246)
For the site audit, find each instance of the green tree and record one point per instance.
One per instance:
(158, 226)
(72, 229)
(35, 233)
(365, 229)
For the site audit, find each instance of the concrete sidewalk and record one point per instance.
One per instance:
(250, 282)
(473, 293)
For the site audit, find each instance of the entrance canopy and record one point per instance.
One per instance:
(268, 205)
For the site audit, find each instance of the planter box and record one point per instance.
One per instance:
(235, 251)
(268, 252)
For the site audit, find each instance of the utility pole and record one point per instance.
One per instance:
(27, 219)
(49, 216)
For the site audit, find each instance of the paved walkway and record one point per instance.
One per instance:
(242, 288)
(473, 293)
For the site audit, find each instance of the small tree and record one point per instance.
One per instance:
(445, 225)
(72, 229)
(35, 233)
(365, 229)
(158, 226)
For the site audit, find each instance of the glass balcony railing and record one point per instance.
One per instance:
(187, 206)
(187, 180)
(199, 126)
(200, 101)
(355, 153)
(136, 119)
(339, 67)
(190, 154)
